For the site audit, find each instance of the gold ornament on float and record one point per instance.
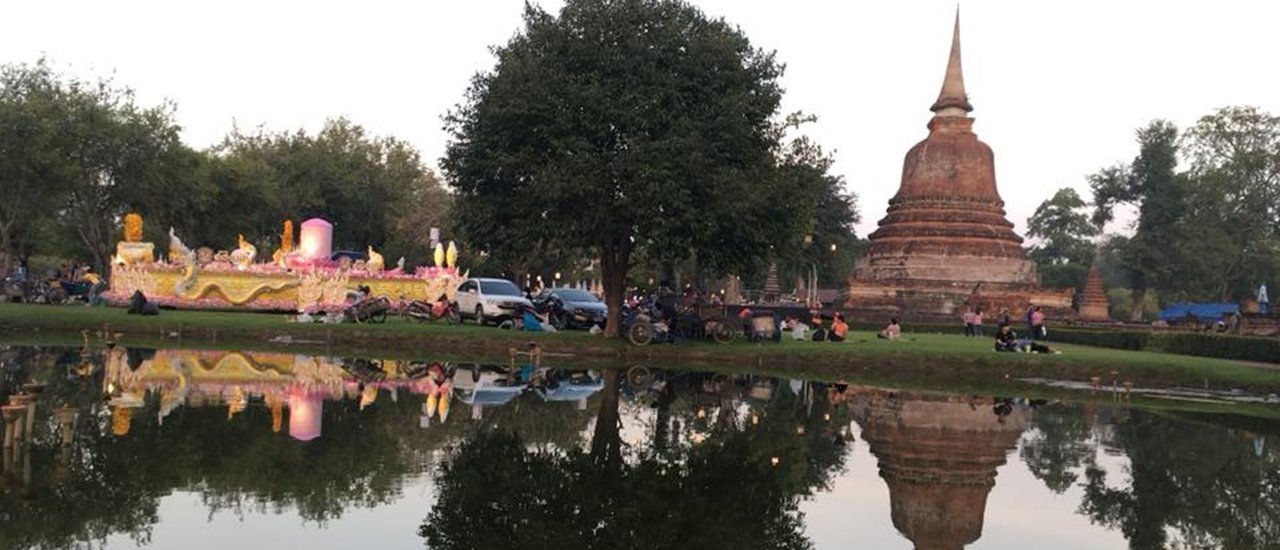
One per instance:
(451, 256)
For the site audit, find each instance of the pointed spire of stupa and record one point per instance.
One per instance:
(952, 101)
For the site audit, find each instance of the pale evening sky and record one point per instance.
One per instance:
(1057, 88)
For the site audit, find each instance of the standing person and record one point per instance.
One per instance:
(1003, 317)
(977, 322)
(1038, 331)
(968, 321)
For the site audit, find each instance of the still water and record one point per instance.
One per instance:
(211, 450)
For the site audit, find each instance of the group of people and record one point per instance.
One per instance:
(838, 332)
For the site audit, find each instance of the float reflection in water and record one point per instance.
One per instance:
(715, 460)
(304, 383)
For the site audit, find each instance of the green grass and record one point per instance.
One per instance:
(947, 359)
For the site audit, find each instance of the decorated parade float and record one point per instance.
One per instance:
(302, 278)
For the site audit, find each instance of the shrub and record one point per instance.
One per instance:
(1116, 339)
(1218, 345)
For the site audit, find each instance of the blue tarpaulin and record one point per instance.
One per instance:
(1202, 312)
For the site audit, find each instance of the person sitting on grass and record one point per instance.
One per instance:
(819, 333)
(892, 331)
(1007, 340)
(838, 329)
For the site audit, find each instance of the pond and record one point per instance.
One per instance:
(135, 448)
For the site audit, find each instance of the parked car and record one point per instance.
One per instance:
(572, 308)
(488, 300)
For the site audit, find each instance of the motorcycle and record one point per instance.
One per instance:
(421, 311)
(369, 310)
(641, 326)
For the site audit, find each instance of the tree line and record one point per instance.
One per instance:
(77, 155)
(1205, 209)
(638, 133)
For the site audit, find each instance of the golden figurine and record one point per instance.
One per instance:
(133, 227)
(375, 262)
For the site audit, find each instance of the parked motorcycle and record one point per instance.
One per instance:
(419, 310)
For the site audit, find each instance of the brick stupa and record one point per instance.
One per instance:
(1093, 301)
(945, 241)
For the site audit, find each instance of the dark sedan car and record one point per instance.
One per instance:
(572, 308)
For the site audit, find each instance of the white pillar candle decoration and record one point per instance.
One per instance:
(316, 239)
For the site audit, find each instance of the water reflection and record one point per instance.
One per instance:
(629, 458)
(939, 458)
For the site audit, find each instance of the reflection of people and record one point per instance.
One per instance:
(892, 331)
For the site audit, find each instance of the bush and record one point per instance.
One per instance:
(1116, 339)
(1200, 344)
(1218, 345)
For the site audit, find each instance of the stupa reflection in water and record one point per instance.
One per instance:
(938, 455)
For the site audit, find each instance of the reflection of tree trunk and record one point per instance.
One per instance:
(1138, 300)
(606, 442)
(662, 427)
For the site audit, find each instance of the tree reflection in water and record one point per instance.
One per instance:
(671, 459)
(1191, 484)
(712, 484)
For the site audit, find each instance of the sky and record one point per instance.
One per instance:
(1058, 88)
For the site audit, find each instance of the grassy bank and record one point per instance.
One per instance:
(918, 356)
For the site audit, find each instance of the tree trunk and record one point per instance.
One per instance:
(6, 243)
(1137, 301)
(614, 260)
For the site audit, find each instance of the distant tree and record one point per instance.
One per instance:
(829, 242)
(625, 126)
(76, 155)
(364, 184)
(1234, 155)
(1152, 184)
(117, 151)
(1063, 229)
(32, 181)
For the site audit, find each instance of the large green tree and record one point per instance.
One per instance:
(1064, 251)
(1152, 185)
(32, 116)
(1234, 156)
(368, 186)
(624, 127)
(1063, 229)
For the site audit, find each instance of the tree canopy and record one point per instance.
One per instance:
(77, 155)
(1208, 207)
(625, 126)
